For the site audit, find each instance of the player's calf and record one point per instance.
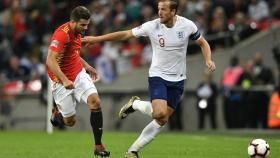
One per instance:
(56, 118)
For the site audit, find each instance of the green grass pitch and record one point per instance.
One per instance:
(71, 144)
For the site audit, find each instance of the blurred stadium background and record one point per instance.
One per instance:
(237, 30)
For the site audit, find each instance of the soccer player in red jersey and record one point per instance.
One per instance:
(72, 77)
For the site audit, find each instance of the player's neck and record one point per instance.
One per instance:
(171, 22)
(72, 26)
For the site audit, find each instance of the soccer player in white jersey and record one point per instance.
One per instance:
(169, 35)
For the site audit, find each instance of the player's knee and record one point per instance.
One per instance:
(69, 122)
(94, 103)
(159, 115)
(162, 122)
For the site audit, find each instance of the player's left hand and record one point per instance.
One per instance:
(92, 73)
(88, 40)
(211, 65)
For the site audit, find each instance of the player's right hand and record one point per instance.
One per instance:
(68, 84)
(211, 65)
(88, 40)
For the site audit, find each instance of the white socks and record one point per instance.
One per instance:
(150, 131)
(143, 106)
(147, 135)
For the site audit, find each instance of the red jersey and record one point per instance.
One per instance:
(67, 44)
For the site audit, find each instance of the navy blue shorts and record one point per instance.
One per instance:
(166, 90)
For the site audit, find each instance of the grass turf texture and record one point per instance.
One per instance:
(167, 145)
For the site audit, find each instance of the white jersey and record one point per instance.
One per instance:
(169, 46)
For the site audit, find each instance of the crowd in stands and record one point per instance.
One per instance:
(26, 26)
(246, 91)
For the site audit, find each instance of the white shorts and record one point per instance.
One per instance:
(66, 98)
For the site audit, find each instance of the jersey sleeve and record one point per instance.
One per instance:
(195, 35)
(58, 41)
(142, 30)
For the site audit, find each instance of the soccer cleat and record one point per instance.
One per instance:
(100, 151)
(56, 118)
(127, 108)
(131, 154)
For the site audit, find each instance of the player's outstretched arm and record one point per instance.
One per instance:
(206, 53)
(115, 36)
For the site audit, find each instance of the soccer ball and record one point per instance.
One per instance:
(258, 148)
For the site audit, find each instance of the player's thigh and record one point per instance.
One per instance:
(84, 87)
(159, 108)
(65, 100)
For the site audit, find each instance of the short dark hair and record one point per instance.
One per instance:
(173, 4)
(80, 12)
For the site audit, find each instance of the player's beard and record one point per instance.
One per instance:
(165, 20)
(80, 31)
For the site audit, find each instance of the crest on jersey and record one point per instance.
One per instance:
(180, 34)
(54, 43)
